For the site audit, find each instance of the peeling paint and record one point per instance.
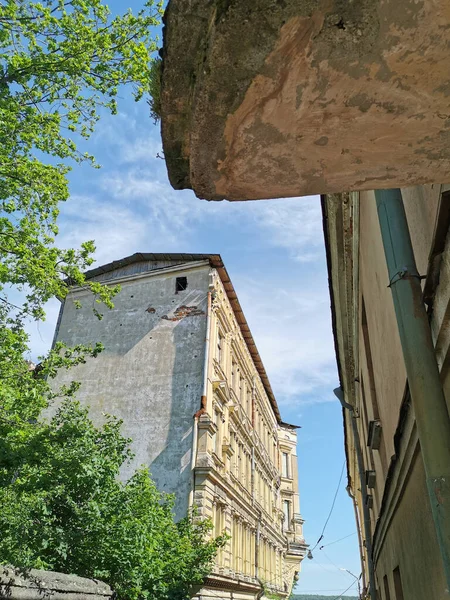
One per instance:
(184, 311)
(323, 141)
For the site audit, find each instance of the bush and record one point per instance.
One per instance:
(64, 509)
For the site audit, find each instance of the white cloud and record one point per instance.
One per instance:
(292, 329)
(131, 207)
(116, 229)
(141, 150)
(294, 224)
(41, 333)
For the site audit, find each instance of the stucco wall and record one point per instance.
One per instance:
(421, 203)
(388, 367)
(411, 545)
(151, 371)
(401, 515)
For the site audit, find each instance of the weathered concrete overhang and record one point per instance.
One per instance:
(276, 98)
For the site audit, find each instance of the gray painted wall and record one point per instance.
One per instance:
(151, 371)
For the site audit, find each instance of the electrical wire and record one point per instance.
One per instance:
(331, 509)
(328, 570)
(339, 540)
(342, 593)
(334, 564)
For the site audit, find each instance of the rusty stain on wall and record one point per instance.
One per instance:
(184, 311)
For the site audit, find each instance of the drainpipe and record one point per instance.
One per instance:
(202, 400)
(253, 429)
(428, 400)
(253, 475)
(358, 524)
(366, 514)
(258, 533)
(253, 402)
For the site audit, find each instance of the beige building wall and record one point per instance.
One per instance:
(181, 370)
(246, 477)
(405, 550)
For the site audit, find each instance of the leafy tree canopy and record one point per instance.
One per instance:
(62, 62)
(64, 509)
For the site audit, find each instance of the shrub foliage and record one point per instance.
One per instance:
(62, 64)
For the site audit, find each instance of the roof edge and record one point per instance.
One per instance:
(332, 201)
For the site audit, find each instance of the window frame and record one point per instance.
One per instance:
(287, 515)
(398, 586)
(180, 281)
(286, 465)
(219, 348)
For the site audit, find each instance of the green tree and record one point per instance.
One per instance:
(64, 508)
(62, 64)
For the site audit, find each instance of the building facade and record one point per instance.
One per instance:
(181, 369)
(386, 475)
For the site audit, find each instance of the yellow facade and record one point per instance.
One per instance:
(406, 557)
(245, 475)
(182, 372)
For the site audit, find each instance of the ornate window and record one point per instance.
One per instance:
(234, 373)
(287, 515)
(219, 353)
(249, 403)
(218, 434)
(285, 464)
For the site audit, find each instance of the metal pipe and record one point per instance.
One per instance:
(193, 458)
(258, 534)
(208, 335)
(360, 541)
(253, 402)
(202, 401)
(253, 475)
(366, 515)
(428, 400)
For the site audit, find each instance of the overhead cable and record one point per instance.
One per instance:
(331, 509)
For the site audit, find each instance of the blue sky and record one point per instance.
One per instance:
(274, 253)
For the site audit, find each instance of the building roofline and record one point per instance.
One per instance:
(289, 425)
(334, 303)
(215, 260)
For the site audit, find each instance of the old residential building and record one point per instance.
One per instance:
(181, 369)
(323, 97)
(384, 447)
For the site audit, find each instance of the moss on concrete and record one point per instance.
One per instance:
(213, 49)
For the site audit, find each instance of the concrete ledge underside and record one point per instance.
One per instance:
(276, 98)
